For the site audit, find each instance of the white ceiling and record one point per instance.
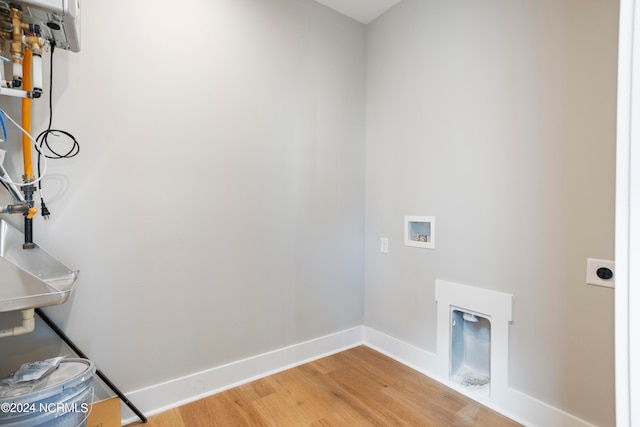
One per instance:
(363, 11)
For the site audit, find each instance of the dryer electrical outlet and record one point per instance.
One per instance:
(601, 272)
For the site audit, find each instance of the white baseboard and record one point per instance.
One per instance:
(171, 394)
(518, 406)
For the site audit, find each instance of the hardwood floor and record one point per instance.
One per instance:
(358, 387)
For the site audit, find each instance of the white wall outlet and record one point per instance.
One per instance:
(601, 272)
(384, 245)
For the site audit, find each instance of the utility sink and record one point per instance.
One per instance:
(30, 278)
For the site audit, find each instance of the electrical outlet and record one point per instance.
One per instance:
(384, 245)
(600, 272)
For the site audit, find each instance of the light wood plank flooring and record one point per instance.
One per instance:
(358, 387)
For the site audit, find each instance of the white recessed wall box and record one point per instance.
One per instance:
(420, 231)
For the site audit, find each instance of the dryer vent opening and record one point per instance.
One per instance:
(470, 364)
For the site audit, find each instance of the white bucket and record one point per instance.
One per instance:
(62, 398)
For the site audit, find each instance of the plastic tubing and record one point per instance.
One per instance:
(36, 66)
(26, 116)
(18, 93)
(4, 129)
(35, 143)
(17, 71)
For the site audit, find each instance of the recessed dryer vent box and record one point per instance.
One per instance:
(420, 231)
(470, 364)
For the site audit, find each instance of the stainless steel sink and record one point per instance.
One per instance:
(30, 278)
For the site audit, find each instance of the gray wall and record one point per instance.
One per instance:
(216, 210)
(498, 117)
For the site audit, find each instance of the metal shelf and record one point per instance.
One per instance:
(30, 278)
